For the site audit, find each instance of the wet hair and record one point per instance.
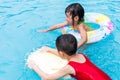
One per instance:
(67, 43)
(75, 9)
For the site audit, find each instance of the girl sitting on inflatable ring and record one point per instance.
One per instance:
(75, 19)
(79, 66)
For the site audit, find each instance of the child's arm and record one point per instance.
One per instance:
(55, 27)
(83, 34)
(51, 50)
(62, 72)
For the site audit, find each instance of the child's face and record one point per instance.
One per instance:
(69, 18)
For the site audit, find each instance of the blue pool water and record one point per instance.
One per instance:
(20, 19)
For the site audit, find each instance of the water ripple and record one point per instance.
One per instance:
(5, 7)
(20, 25)
(11, 15)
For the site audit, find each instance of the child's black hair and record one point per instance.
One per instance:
(75, 9)
(67, 43)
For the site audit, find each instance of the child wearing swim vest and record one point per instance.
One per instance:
(75, 19)
(79, 66)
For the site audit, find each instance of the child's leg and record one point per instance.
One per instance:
(83, 47)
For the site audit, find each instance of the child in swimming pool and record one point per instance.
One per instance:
(75, 19)
(79, 66)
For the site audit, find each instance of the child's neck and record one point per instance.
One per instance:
(75, 26)
(77, 58)
(69, 58)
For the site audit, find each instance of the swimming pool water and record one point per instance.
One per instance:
(20, 20)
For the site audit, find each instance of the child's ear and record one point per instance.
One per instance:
(76, 18)
(61, 53)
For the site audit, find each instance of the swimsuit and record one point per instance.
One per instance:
(88, 71)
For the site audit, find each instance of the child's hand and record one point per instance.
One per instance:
(41, 30)
(31, 64)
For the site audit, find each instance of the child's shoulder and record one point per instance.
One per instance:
(79, 58)
(83, 25)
